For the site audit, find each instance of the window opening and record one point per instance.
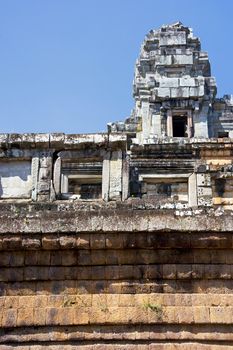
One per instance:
(86, 188)
(222, 134)
(180, 127)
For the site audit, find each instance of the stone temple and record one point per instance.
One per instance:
(123, 239)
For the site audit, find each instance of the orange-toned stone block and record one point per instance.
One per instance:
(55, 301)
(99, 300)
(26, 301)
(66, 316)
(50, 241)
(169, 299)
(170, 314)
(84, 300)
(126, 300)
(201, 314)
(221, 315)
(98, 314)
(141, 299)
(51, 316)
(81, 315)
(112, 300)
(39, 318)
(25, 317)
(10, 302)
(155, 313)
(41, 301)
(118, 315)
(185, 314)
(83, 241)
(156, 299)
(183, 300)
(9, 318)
(199, 299)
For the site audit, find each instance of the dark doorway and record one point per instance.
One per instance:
(91, 190)
(179, 124)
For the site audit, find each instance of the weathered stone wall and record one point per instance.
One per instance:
(115, 276)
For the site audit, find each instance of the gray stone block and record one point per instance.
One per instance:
(171, 39)
(180, 92)
(187, 81)
(168, 82)
(163, 92)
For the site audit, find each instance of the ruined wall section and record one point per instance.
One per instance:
(112, 276)
(176, 173)
(46, 167)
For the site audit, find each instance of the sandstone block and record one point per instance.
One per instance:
(69, 258)
(169, 271)
(65, 316)
(39, 316)
(31, 243)
(41, 301)
(13, 242)
(83, 241)
(221, 315)
(98, 257)
(26, 301)
(170, 315)
(185, 314)
(201, 314)
(52, 316)
(81, 315)
(9, 318)
(97, 241)
(25, 317)
(114, 241)
(84, 257)
(67, 241)
(50, 241)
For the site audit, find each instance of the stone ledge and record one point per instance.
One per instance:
(147, 313)
(118, 332)
(113, 241)
(121, 286)
(126, 345)
(100, 217)
(115, 309)
(58, 140)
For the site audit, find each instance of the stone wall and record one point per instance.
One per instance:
(115, 276)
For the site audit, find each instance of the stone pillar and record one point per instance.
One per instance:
(169, 123)
(201, 122)
(115, 182)
(64, 184)
(146, 119)
(35, 173)
(190, 123)
(192, 190)
(57, 177)
(156, 125)
(45, 176)
(125, 176)
(106, 176)
(204, 190)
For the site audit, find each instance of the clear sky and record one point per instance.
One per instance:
(67, 65)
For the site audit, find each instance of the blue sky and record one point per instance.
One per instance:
(67, 65)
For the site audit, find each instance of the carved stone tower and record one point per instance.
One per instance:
(173, 87)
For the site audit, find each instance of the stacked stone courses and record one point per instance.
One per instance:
(71, 275)
(123, 240)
